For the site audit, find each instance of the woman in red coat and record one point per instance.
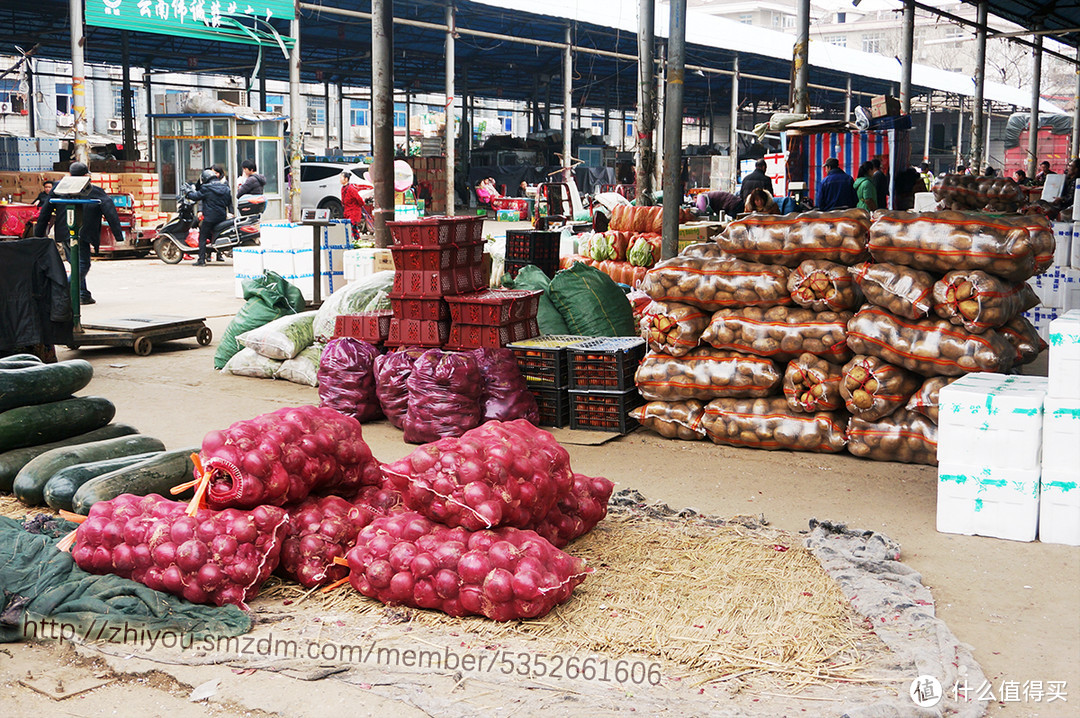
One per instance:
(355, 208)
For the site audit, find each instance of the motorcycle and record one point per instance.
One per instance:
(179, 237)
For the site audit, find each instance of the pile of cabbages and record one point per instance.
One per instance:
(429, 393)
(472, 525)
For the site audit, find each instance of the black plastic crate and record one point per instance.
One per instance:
(604, 410)
(542, 360)
(605, 363)
(548, 266)
(533, 245)
(554, 405)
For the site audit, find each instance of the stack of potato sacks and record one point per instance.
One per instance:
(783, 336)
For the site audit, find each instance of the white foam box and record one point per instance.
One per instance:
(279, 261)
(1063, 232)
(306, 284)
(331, 267)
(282, 235)
(247, 264)
(1074, 250)
(994, 420)
(1069, 289)
(1061, 435)
(1059, 508)
(979, 500)
(358, 263)
(1064, 362)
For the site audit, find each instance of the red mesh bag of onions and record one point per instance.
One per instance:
(321, 529)
(500, 474)
(577, 513)
(503, 574)
(216, 557)
(347, 378)
(391, 382)
(444, 396)
(505, 394)
(284, 456)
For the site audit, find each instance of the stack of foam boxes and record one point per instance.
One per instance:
(1059, 512)
(363, 262)
(1058, 288)
(288, 249)
(990, 435)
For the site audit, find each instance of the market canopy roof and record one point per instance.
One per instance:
(493, 64)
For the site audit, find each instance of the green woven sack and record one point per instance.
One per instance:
(591, 303)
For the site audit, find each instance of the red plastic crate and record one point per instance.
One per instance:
(432, 310)
(516, 203)
(371, 327)
(418, 284)
(417, 332)
(533, 245)
(547, 266)
(426, 232)
(464, 230)
(475, 336)
(494, 307)
(416, 257)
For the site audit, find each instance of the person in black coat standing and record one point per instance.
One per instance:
(216, 198)
(90, 232)
(881, 183)
(756, 180)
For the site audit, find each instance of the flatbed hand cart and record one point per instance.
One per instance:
(139, 332)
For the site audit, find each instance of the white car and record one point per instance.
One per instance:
(320, 184)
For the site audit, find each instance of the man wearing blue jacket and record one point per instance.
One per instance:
(837, 190)
(216, 198)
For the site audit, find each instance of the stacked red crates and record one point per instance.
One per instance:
(433, 258)
(493, 318)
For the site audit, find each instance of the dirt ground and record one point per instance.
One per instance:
(1016, 604)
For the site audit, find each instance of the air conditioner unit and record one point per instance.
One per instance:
(116, 125)
(65, 120)
(5, 108)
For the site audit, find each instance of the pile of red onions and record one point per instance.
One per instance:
(577, 512)
(444, 396)
(216, 557)
(391, 382)
(500, 474)
(286, 455)
(505, 395)
(503, 574)
(321, 529)
(347, 378)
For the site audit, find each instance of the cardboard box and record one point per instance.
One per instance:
(884, 106)
(383, 260)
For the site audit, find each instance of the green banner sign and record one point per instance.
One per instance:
(220, 20)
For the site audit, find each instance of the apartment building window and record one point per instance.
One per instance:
(316, 111)
(838, 40)
(746, 18)
(275, 103)
(598, 124)
(63, 98)
(841, 18)
(10, 95)
(358, 112)
(506, 120)
(118, 101)
(873, 42)
(399, 115)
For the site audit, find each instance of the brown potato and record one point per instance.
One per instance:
(780, 333)
(812, 384)
(930, 347)
(673, 420)
(822, 285)
(903, 291)
(771, 424)
(1021, 334)
(792, 238)
(673, 328)
(979, 301)
(873, 388)
(705, 373)
(712, 283)
(925, 399)
(903, 436)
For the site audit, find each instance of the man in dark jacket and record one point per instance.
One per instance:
(837, 190)
(216, 198)
(881, 183)
(253, 181)
(756, 180)
(90, 233)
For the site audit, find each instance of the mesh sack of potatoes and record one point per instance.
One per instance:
(709, 250)
(673, 328)
(904, 291)
(903, 436)
(769, 423)
(925, 399)
(780, 333)
(812, 384)
(1011, 247)
(713, 283)
(790, 239)
(705, 373)
(822, 286)
(1019, 332)
(978, 301)
(873, 388)
(673, 419)
(929, 347)
(962, 192)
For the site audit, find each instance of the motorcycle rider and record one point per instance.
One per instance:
(216, 198)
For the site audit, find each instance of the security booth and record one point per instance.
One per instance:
(186, 144)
